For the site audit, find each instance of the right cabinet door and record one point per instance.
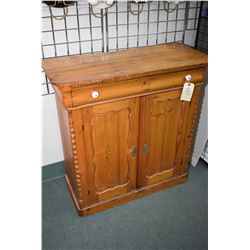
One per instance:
(166, 127)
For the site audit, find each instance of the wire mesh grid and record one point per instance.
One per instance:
(202, 44)
(202, 34)
(80, 32)
(204, 154)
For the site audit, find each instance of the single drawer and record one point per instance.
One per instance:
(99, 93)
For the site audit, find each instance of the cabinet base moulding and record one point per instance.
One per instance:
(119, 200)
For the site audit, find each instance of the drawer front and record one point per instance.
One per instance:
(100, 93)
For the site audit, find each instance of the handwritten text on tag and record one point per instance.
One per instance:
(187, 91)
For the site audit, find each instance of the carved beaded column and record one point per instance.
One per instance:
(193, 126)
(75, 159)
(79, 160)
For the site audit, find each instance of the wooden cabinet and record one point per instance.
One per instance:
(125, 131)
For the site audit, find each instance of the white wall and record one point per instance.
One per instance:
(51, 139)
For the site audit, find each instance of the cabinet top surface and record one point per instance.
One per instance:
(86, 70)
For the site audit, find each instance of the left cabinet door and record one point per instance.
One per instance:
(110, 140)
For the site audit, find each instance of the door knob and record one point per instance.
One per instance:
(188, 77)
(95, 94)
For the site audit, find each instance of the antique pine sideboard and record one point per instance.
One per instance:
(125, 131)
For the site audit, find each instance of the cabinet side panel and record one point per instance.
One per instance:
(79, 154)
(191, 126)
(186, 128)
(67, 137)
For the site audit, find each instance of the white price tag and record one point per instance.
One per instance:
(187, 91)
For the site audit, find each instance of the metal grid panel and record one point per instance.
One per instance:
(204, 154)
(202, 44)
(202, 36)
(80, 32)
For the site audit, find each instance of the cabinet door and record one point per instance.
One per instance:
(111, 138)
(165, 135)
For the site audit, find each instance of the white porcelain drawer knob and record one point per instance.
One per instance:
(95, 94)
(188, 77)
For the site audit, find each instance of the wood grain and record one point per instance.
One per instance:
(110, 135)
(167, 125)
(138, 111)
(134, 87)
(84, 70)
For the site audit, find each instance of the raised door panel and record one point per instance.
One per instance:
(165, 136)
(110, 133)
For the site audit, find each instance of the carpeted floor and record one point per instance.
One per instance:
(175, 218)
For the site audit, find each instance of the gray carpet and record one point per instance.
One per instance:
(174, 218)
